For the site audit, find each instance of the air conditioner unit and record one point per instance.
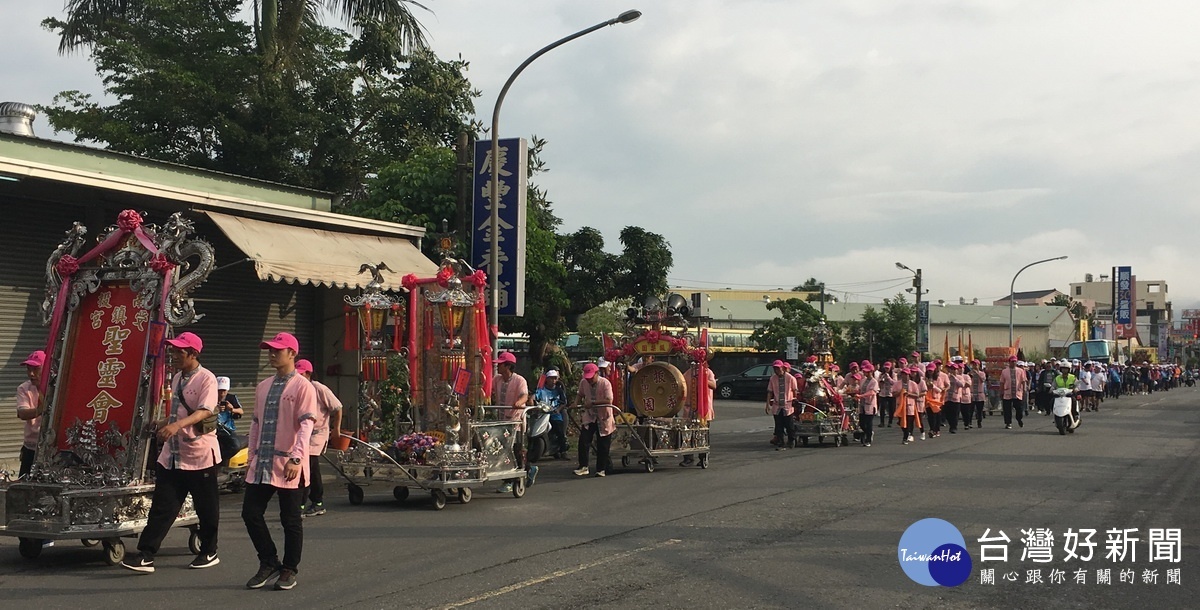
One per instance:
(700, 304)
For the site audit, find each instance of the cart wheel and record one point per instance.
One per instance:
(648, 464)
(356, 494)
(464, 495)
(803, 441)
(89, 542)
(703, 460)
(400, 493)
(194, 540)
(114, 551)
(30, 548)
(820, 440)
(439, 499)
(518, 487)
(625, 461)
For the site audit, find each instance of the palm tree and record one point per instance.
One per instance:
(279, 25)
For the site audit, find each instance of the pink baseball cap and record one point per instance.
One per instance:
(187, 340)
(811, 359)
(835, 368)
(281, 341)
(916, 355)
(867, 367)
(506, 357)
(931, 366)
(37, 358)
(1012, 359)
(853, 365)
(778, 363)
(903, 362)
(304, 366)
(887, 364)
(590, 370)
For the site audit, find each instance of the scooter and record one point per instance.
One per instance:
(232, 475)
(1065, 417)
(537, 430)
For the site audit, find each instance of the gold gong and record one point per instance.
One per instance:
(657, 390)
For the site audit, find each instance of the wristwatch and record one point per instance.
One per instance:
(294, 461)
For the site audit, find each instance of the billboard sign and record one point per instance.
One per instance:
(511, 191)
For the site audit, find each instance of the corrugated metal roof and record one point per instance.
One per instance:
(953, 315)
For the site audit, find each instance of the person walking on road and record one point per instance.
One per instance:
(868, 393)
(1014, 384)
(285, 414)
(328, 423)
(189, 459)
(595, 397)
(513, 391)
(781, 392)
(29, 409)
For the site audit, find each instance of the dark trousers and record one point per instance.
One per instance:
(558, 436)
(967, 410)
(867, 422)
(27, 456)
(254, 507)
(935, 419)
(978, 404)
(950, 412)
(171, 487)
(315, 491)
(1010, 406)
(784, 426)
(586, 436)
(887, 409)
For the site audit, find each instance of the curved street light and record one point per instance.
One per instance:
(916, 289)
(493, 198)
(1012, 299)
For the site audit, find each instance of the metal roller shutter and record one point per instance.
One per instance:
(29, 232)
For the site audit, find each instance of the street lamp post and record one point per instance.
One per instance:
(1012, 299)
(493, 188)
(917, 291)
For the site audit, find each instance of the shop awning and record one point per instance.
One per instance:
(321, 257)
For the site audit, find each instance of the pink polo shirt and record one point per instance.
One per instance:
(916, 393)
(868, 389)
(196, 452)
(27, 400)
(509, 392)
(327, 404)
(978, 385)
(1012, 383)
(781, 392)
(293, 429)
(599, 394)
(964, 389)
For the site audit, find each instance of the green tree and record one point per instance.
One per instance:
(644, 263)
(1078, 310)
(880, 333)
(796, 319)
(815, 288)
(353, 106)
(606, 318)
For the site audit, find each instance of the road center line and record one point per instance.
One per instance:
(557, 574)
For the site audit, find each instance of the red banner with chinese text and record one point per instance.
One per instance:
(104, 360)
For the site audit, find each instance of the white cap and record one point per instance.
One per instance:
(601, 363)
(222, 383)
(552, 373)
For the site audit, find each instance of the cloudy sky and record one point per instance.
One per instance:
(772, 141)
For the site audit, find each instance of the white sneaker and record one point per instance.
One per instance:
(922, 436)
(910, 438)
(582, 472)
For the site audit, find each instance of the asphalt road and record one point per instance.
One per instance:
(812, 527)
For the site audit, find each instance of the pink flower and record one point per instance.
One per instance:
(67, 265)
(443, 276)
(161, 263)
(409, 281)
(479, 278)
(129, 220)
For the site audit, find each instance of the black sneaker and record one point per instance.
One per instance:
(316, 510)
(204, 560)
(262, 576)
(139, 563)
(286, 580)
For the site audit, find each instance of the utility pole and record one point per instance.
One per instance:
(822, 300)
(917, 289)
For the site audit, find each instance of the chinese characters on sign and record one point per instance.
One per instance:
(1161, 548)
(510, 238)
(109, 337)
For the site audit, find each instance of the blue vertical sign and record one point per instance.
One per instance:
(511, 190)
(1123, 306)
(923, 326)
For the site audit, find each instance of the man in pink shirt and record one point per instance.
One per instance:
(1013, 385)
(867, 393)
(511, 390)
(285, 413)
(189, 459)
(781, 392)
(328, 422)
(29, 409)
(595, 396)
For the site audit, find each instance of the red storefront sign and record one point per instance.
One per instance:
(107, 349)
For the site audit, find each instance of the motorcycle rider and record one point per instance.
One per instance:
(553, 394)
(1065, 380)
(1045, 388)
